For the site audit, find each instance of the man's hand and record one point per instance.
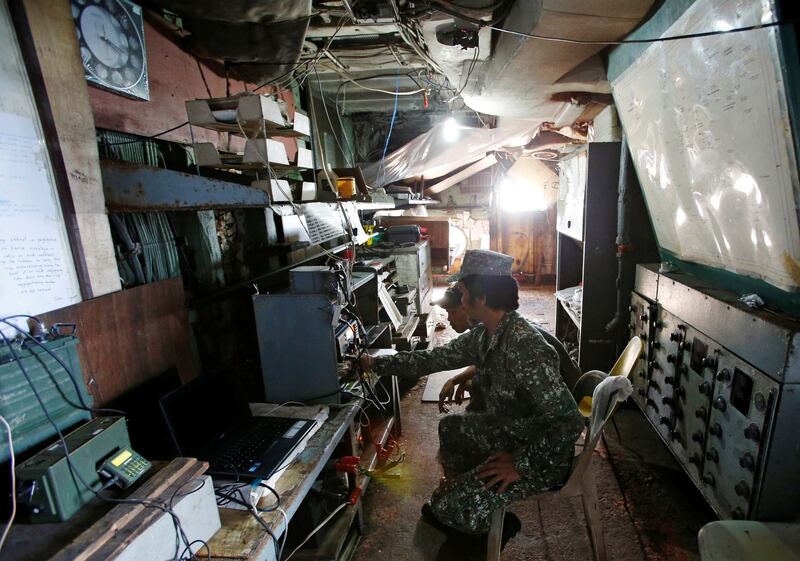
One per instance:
(498, 469)
(446, 394)
(463, 387)
(453, 390)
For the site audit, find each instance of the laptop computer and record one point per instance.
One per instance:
(207, 421)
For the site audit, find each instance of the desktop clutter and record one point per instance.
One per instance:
(287, 469)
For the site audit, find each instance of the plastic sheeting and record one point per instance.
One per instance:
(434, 154)
(709, 132)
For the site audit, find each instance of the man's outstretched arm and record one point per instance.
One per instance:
(458, 353)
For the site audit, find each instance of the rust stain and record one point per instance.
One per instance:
(792, 267)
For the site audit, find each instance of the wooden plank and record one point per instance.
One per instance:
(72, 128)
(468, 171)
(241, 537)
(129, 337)
(104, 539)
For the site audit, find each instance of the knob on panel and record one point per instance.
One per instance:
(698, 437)
(752, 432)
(724, 375)
(704, 388)
(712, 455)
(666, 400)
(742, 489)
(720, 403)
(708, 362)
(747, 462)
(694, 459)
(708, 479)
(671, 359)
(666, 421)
(651, 403)
(760, 401)
(716, 430)
(669, 380)
(701, 413)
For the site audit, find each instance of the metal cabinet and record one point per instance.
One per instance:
(586, 267)
(414, 270)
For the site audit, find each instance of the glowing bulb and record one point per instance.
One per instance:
(450, 130)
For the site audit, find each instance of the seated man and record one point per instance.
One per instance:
(454, 389)
(519, 439)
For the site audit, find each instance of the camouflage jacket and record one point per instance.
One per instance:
(522, 391)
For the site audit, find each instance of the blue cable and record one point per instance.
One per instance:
(391, 126)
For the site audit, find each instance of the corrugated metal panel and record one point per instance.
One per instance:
(19, 406)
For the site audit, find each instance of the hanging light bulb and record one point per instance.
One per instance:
(450, 130)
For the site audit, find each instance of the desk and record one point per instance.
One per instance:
(242, 538)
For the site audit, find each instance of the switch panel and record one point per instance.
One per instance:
(729, 418)
(695, 383)
(641, 325)
(741, 404)
(663, 380)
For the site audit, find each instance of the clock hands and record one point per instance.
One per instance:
(113, 45)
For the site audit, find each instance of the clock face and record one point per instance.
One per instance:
(111, 39)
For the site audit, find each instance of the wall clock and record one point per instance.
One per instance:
(111, 40)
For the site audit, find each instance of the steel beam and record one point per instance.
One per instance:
(135, 188)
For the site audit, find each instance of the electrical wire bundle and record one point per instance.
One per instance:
(180, 535)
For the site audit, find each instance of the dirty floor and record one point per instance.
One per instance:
(650, 510)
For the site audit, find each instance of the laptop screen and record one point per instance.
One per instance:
(199, 412)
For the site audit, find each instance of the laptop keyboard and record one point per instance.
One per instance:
(248, 447)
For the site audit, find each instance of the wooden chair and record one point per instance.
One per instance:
(582, 479)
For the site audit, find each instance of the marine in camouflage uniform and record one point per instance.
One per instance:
(519, 404)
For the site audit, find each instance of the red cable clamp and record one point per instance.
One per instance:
(355, 495)
(348, 464)
(384, 452)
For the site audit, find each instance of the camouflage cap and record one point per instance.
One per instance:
(483, 262)
(450, 299)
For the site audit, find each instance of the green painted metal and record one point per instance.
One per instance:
(56, 494)
(775, 298)
(20, 407)
(621, 57)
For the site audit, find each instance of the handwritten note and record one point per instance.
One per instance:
(36, 269)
